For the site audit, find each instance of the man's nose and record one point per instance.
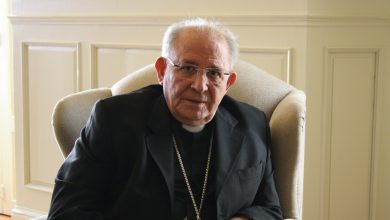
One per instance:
(200, 82)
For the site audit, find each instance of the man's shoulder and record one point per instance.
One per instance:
(244, 113)
(232, 104)
(139, 101)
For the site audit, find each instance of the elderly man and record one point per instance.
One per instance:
(178, 150)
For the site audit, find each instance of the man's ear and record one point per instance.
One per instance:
(160, 66)
(231, 80)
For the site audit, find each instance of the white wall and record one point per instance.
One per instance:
(358, 8)
(347, 83)
(330, 49)
(156, 8)
(6, 122)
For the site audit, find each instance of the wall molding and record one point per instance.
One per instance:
(360, 21)
(20, 212)
(28, 180)
(94, 47)
(76, 45)
(286, 52)
(329, 54)
(231, 20)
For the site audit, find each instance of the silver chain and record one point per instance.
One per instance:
(197, 210)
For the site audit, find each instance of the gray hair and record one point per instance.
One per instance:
(172, 32)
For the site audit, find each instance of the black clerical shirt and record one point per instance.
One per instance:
(194, 148)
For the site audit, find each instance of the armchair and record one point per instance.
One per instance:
(283, 104)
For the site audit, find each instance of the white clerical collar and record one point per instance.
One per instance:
(193, 129)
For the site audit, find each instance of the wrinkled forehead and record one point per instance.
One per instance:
(204, 43)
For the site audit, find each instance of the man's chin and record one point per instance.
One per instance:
(193, 120)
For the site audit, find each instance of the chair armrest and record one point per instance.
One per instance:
(288, 136)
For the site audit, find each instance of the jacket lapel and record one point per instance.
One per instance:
(159, 143)
(228, 142)
(228, 145)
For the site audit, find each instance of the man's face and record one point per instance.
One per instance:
(194, 101)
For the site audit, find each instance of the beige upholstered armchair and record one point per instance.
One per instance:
(283, 104)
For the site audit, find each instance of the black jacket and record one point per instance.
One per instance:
(122, 166)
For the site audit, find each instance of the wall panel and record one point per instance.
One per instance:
(112, 62)
(50, 71)
(350, 91)
(276, 61)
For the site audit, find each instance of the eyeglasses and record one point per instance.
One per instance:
(189, 71)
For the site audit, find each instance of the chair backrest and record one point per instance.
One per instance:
(70, 115)
(283, 104)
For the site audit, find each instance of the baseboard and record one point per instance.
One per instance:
(23, 213)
